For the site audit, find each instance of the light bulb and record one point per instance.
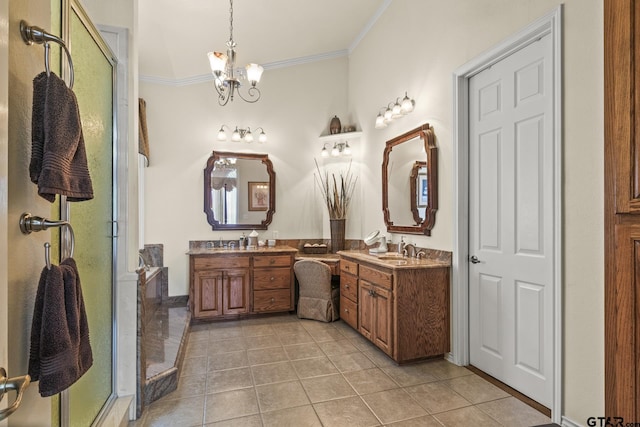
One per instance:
(396, 111)
(380, 123)
(263, 137)
(235, 136)
(347, 149)
(324, 152)
(407, 104)
(248, 136)
(222, 135)
(334, 151)
(388, 115)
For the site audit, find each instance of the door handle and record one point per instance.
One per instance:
(474, 259)
(19, 384)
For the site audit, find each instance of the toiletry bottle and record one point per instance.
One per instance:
(401, 245)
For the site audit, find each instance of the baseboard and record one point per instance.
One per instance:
(566, 422)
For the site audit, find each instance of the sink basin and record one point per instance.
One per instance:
(397, 261)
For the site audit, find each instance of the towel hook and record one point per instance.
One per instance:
(47, 255)
(30, 223)
(32, 34)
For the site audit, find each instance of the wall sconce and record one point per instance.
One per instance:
(241, 134)
(394, 110)
(339, 149)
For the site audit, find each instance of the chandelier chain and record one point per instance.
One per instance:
(231, 21)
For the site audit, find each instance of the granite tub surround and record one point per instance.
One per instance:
(162, 330)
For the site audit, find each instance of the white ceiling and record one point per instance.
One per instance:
(174, 36)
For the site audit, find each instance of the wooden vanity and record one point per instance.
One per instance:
(229, 283)
(399, 304)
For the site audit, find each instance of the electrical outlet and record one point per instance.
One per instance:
(275, 234)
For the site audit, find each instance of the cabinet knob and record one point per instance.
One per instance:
(346, 310)
(372, 292)
(273, 300)
(272, 278)
(272, 261)
(346, 267)
(346, 286)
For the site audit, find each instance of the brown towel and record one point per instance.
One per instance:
(59, 164)
(143, 134)
(37, 126)
(60, 349)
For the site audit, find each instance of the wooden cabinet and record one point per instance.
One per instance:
(232, 283)
(402, 310)
(349, 292)
(272, 283)
(220, 288)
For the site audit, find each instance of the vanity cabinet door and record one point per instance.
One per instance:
(376, 315)
(383, 318)
(366, 309)
(207, 296)
(235, 291)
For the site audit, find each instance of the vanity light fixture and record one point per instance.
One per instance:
(339, 149)
(394, 110)
(241, 134)
(227, 77)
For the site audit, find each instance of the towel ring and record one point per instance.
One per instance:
(32, 34)
(30, 223)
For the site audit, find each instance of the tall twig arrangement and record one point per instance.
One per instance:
(337, 192)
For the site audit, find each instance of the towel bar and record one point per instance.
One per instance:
(30, 223)
(32, 34)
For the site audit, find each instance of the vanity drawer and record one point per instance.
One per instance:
(349, 312)
(272, 300)
(349, 287)
(208, 262)
(272, 261)
(270, 278)
(349, 266)
(375, 276)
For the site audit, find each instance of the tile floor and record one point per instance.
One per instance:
(282, 371)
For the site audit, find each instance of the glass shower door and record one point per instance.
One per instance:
(93, 220)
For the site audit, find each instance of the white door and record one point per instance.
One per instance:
(511, 221)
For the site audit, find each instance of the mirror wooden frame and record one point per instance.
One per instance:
(208, 210)
(424, 132)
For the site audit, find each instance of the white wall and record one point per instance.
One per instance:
(296, 107)
(422, 42)
(428, 40)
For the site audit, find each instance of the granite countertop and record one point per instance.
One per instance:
(237, 251)
(433, 259)
(328, 257)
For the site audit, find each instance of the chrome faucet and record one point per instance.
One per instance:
(401, 245)
(409, 250)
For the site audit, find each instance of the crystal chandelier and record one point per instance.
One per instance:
(228, 78)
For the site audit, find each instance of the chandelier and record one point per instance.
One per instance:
(228, 78)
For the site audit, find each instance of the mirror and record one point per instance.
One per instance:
(239, 191)
(409, 183)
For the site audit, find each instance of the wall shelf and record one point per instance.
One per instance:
(341, 137)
